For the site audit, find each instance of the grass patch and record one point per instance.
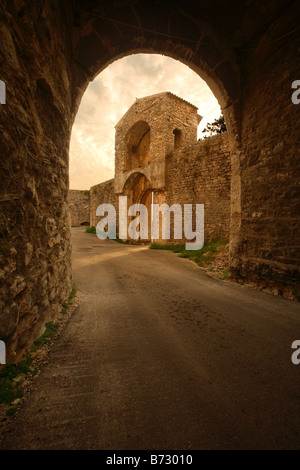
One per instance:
(224, 275)
(13, 375)
(14, 370)
(73, 292)
(50, 330)
(65, 307)
(91, 229)
(11, 411)
(67, 304)
(202, 257)
(174, 248)
(10, 389)
(119, 240)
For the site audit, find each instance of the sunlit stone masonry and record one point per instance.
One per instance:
(247, 52)
(157, 152)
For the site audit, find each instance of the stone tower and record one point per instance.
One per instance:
(151, 129)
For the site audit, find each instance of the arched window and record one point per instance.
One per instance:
(177, 138)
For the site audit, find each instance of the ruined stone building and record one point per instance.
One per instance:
(156, 151)
(248, 54)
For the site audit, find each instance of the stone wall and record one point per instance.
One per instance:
(248, 53)
(160, 115)
(201, 174)
(197, 174)
(102, 193)
(269, 252)
(35, 124)
(79, 206)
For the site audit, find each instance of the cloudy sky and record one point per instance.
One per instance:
(110, 95)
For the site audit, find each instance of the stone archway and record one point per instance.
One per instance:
(199, 46)
(136, 188)
(138, 146)
(50, 52)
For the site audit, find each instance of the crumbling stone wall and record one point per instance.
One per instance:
(79, 206)
(162, 121)
(269, 250)
(201, 174)
(35, 123)
(102, 193)
(197, 174)
(49, 51)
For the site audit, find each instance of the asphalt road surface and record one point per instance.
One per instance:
(159, 355)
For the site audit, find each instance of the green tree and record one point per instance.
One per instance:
(216, 127)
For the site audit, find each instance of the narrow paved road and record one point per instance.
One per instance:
(160, 356)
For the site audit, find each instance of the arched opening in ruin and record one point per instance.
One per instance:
(135, 187)
(109, 96)
(137, 140)
(139, 191)
(156, 132)
(244, 62)
(137, 146)
(177, 138)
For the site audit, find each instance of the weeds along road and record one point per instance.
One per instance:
(160, 356)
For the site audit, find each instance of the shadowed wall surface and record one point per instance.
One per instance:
(248, 53)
